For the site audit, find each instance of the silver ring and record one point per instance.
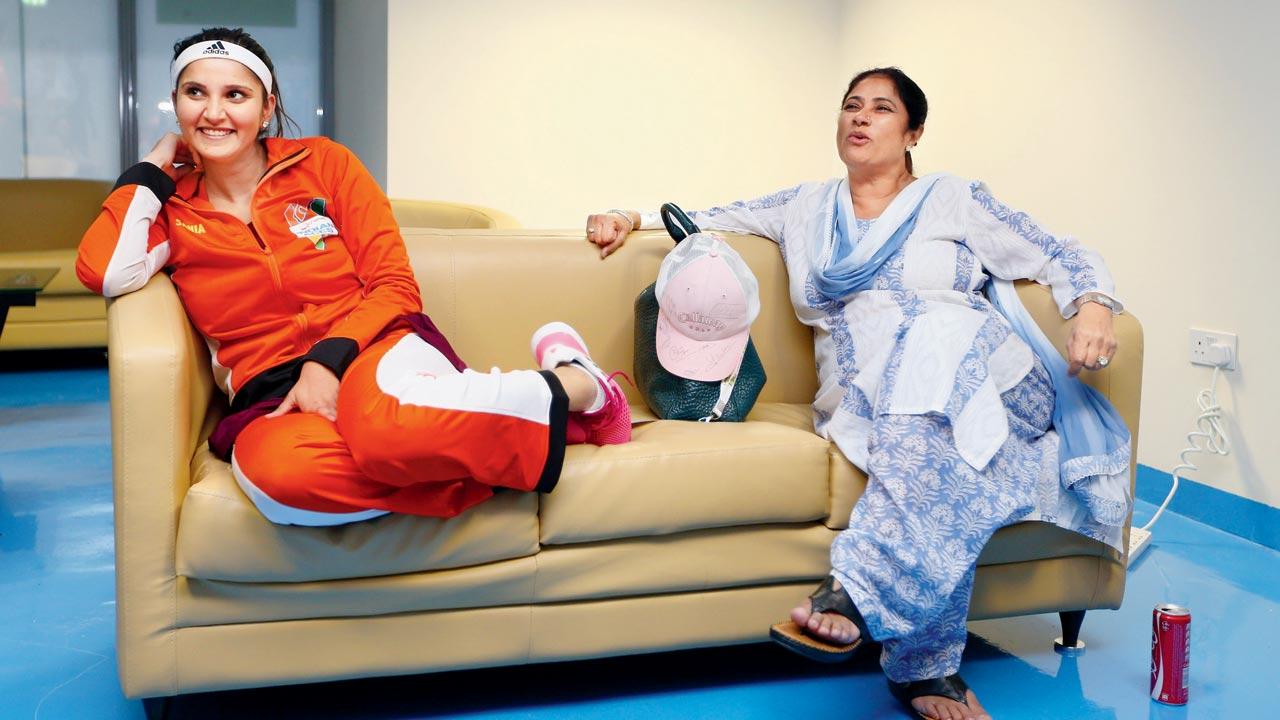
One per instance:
(1103, 360)
(591, 231)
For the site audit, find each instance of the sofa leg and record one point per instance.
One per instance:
(1070, 641)
(158, 708)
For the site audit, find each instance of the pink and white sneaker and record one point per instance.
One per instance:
(555, 344)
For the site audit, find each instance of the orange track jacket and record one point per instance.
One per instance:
(317, 275)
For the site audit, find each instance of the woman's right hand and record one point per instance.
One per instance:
(170, 151)
(315, 392)
(608, 230)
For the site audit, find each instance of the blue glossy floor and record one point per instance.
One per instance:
(57, 657)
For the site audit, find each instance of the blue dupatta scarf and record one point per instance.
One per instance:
(1093, 442)
(852, 268)
(1093, 450)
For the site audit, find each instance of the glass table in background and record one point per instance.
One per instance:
(19, 286)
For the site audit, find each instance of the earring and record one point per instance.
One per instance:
(265, 123)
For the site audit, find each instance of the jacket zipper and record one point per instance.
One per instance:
(271, 258)
(299, 319)
(280, 165)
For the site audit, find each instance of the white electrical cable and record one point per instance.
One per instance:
(1210, 429)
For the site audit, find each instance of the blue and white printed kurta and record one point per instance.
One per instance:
(923, 340)
(926, 387)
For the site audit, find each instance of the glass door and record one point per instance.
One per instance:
(59, 89)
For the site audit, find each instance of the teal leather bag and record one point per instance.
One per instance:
(670, 396)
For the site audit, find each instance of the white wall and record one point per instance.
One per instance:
(1142, 127)
(1145, 128)
(552, 109)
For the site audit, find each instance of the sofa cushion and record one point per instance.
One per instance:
(675, 476)
(630, 567)
(1016, 543)
(222, 536)
(847, 482)
(218, 602)
(29, 335)
(65, 315)
(62, 308)
(684, 562)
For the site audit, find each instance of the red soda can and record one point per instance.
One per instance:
(1170, 654)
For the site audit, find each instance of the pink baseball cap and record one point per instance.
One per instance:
(707, 298)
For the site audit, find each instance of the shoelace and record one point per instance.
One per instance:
(625, 376)
(610, 410)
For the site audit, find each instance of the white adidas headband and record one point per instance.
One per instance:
(220, 49)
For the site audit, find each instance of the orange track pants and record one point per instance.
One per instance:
(413, 435)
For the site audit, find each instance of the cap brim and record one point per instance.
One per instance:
(705, 360)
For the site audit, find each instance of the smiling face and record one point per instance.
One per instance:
(221, 106)
(872, 131)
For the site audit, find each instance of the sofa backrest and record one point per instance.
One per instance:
(48, 214)
(439, 214)
(488, 290)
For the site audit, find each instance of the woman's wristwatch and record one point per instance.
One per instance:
(1097, 297)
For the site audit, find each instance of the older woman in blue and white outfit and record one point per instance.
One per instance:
(933, 381)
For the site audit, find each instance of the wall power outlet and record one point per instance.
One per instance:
(1215, 349)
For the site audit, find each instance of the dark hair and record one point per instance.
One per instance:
(246, 41)
(911, 94)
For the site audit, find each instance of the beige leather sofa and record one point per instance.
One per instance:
(691, 535)
(41, 222)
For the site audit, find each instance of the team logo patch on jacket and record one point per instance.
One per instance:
(310, 221)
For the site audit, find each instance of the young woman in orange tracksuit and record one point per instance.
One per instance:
(346, 401)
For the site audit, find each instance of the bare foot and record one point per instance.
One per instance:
(829, 626)
(940, 708)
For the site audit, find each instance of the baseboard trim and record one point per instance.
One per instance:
(1249, 519)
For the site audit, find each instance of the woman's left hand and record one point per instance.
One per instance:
(1093, 340)
(609, 231)
(315, 392)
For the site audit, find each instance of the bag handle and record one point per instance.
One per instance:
(678, 224)
(722, 400)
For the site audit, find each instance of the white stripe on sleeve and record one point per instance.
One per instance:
(131, 264)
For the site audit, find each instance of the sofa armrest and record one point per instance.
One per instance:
(160, 394)
(441, 214)
(1121, 381)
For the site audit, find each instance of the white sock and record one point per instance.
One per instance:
(598, 402)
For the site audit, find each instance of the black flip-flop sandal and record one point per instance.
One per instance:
(952, 687)
(825, 599)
